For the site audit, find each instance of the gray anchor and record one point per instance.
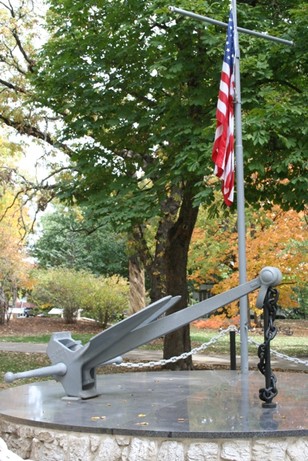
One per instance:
(74, 365)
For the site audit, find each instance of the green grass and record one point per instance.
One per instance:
(43, 339)
(17, 362)
(296, 346)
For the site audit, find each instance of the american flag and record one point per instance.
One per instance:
(223, 149)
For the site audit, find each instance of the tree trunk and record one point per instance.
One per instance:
(136, 284)
(3, 306)
(168, 273)
(176, 256)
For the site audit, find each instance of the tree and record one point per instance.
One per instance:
(106, 299)
(28, 125)
(14, 266)
(21, 27)
(274, 238)
(142, 100)
(72, 290)
(146, 122)
(65, 241)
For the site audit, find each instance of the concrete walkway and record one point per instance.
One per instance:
(144, 355)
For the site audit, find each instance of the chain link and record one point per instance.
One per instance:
(203, 347)
(174, 359)
(269, 308)
(280, 355)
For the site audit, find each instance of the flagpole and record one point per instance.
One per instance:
(241, 225)
(240, 195)
(202, 18)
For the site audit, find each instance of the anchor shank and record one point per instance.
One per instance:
(172, 322)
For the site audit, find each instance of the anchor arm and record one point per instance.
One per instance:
(143, 317)
(80, 379)
(269, 276)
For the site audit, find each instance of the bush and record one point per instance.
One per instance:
(107, 299)
(100, 297)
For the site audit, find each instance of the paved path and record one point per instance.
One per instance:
(144, 355)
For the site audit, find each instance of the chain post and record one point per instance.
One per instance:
(270, 391)
(232, 350)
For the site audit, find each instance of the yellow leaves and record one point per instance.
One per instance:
(14, 266)
(274, 238)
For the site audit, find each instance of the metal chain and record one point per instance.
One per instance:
(270, 308)
(203, 347)
(280, 355)
(174, 359)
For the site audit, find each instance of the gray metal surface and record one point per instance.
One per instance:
(203, 18)
(202, 404)
(75, 365)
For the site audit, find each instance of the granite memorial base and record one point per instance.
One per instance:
(212, 415)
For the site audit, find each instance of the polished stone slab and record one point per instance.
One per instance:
(205, 404)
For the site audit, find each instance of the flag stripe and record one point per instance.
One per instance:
(223, 149)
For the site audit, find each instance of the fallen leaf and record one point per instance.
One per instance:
(97, 418)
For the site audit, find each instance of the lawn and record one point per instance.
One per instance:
(294, 344)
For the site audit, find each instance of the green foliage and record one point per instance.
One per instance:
(101, 298)
(141, 95)
(68, 240)
(143, 99)
(61, 288)
(106, 299)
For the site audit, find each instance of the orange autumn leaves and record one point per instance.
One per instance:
(273, 238)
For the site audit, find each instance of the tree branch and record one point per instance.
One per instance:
(30, 130)
(31, 62)
(9, 85)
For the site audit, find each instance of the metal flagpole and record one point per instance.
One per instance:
(239, 169)
(241, 225)
(202, 18)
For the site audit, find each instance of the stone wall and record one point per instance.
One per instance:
(52, 445)
(6, 454)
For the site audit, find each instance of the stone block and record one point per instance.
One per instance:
(122, 440)
(298, 450)
(109, 450)
(236, 450)
(79, 448)
(171, 451)
(8, 455)
(142, 450)
(272, 449)
(203, 452)
(47, 451)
